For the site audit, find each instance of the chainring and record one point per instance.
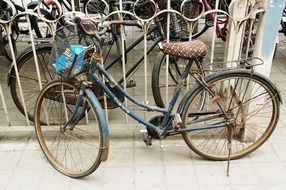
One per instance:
(157, 120)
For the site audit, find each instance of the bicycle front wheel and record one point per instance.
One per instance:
(248, 99)
(76, 150)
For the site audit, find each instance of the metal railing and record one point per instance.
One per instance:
(244, 17)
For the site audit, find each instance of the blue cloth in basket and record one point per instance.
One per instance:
(66, 59)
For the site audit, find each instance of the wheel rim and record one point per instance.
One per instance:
(256, 117)
(76, 151)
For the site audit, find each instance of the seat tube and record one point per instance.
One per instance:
(179, 87)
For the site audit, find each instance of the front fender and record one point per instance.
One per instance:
(102, 123)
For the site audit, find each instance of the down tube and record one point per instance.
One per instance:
(122, 107)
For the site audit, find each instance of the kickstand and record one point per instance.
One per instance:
(229, 149)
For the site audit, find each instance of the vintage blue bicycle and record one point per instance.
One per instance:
(225, 115)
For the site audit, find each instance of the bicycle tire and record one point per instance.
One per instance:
(29, 80)
(77, 151)
(255, 113)
(159, 77)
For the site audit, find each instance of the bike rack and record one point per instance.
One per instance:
(263, 48)
(6, 25)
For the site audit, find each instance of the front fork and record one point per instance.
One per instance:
(75, 117)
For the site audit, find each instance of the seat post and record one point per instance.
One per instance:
(187, 69)
(180, 84)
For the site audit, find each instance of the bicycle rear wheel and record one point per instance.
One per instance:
(77, 150)
(247, 98)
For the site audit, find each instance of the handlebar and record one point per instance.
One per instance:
(90, 28)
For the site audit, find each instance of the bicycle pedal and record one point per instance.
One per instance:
(147, 139)
(131, 84)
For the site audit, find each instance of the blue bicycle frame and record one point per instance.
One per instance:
(167, 112)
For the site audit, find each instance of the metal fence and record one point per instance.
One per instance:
(241, 29)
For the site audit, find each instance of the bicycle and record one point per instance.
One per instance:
(283, 22)
(197, 6)
(224, 116)
(19, 25)
(27, 68)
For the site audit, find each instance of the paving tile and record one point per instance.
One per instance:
(33, 145)
(148, 156)
(149, 176)
(211, 174)
(152, 187)
(9, 160)
(181, 174)
(180, 187)
(275, 186)
(84, 183)
(113, 175)
(5, 176)
(119, 143)
(215, 187)
(120, 156)
(265, 153)
(271, 173)
(12, 144)
(52, 179)
(280, 148)
(279, 132)
(248, 187)
(31, 159)
(243, 173)
(177, 155)
(24, 179)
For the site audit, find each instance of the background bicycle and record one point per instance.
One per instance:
(111, 55)
(20, 29)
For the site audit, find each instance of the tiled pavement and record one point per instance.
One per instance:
(167, 164)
